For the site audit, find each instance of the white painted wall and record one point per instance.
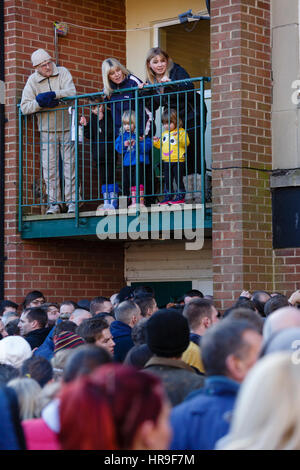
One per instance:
(286, 69)
(148, 14)
(169, 261)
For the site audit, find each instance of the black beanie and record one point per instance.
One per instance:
(167, 333)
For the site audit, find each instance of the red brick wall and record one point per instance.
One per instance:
(62, 269)
(241, 137)
(287, 270)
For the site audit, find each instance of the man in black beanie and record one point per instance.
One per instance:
(167, 336)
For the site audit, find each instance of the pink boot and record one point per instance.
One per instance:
(133, 196)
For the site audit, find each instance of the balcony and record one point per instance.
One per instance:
(64, 156)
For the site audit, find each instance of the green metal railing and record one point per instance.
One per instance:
(62, 161)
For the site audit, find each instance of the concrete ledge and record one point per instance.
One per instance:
(285, 179)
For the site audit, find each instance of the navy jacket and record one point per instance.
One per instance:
(204, 417)
(101, 135)
(121, 333)
(36, 337)
(125, 100)
(8, 433)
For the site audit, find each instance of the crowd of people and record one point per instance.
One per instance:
(143, 376)
(117, 130)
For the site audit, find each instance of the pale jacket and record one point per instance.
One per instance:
(61, 82)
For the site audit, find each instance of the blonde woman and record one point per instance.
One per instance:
(117, 80)
(28, 394)
(267, 411)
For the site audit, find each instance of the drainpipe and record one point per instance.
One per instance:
(2, 160)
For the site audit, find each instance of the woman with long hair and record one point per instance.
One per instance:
(160, 69)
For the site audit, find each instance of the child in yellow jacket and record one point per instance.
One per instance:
(173, 144)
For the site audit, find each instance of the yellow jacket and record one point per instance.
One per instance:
(173, 146)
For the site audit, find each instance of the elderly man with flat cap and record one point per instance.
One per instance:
(43, 90)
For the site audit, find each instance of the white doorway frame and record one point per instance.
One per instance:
(162, 24)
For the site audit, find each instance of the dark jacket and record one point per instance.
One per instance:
(121, 333)
(179, 378)
(204, 417)
(167, 96)
(9, 439)
(186, 101)
(101, 135)
(36, 337)
(125, 100)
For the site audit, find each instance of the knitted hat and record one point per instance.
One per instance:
(66, 340)
(14, 350)
(167, 333)
(39, 56)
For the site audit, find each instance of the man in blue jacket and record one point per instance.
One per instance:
(229, 349)
(127, 314)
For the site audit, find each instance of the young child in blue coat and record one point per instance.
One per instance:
(126, 144)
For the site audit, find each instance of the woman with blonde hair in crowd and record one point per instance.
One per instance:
(267, 412)
(28, 392)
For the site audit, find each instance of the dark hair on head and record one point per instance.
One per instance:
(220, 341)
(114, 401)
(12, 327)
(37, 314)
(274, 303)
(171, 116)
(64, 325)
(47, 305)
(7, 303)
(96, 303)
(260, 306)
(193, 293)
(140, 291)
(179, 308)
(91, 328)
(35, 294)
(138, 356)
(245, 303)
(84, 360)
(95, 100)
(252, 317)
(196, 309)
(7, 373)
(37, 368)
(144, 302)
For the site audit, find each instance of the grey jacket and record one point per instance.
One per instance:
(178, 378)
(61, 82)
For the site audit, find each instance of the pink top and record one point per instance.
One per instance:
(39, 436)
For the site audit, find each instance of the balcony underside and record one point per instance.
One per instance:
(152, 223)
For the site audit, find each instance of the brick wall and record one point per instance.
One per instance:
(62, 269)
(286, 270)
(241, 137)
